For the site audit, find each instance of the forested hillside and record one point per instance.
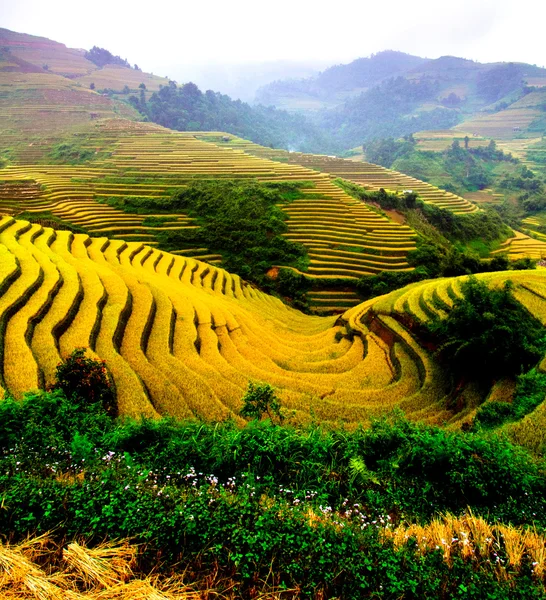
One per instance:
(187, 108)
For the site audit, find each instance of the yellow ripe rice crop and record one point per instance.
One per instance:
(182, 337)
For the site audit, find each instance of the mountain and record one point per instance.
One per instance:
(470, 81)
(337, 82)
(392, 94)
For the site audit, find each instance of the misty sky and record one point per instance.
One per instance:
(170, 37)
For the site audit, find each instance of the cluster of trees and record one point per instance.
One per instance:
(530, 189)
(382, 111)
(459, 168)
(102, 57)
(238, 218)
(187, 108)
(499, 81)
(488, 334)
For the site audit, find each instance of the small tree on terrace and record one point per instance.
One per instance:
(259, 401)
(86, 380)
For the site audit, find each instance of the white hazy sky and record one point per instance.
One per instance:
(161, 34)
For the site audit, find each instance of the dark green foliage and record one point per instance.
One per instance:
(488, 334)
(530, 187)
(434, 254)
(294, 286)
(84, 379)
(457, 169)
(205, 496)
(386, 200)
(524, 264)
(102, 57)
(186, 108)
(500, 81)
(259, 401)
(385, 151)
(241, 220)
(428, 256)
(530, 392)
(388, 281)
(70, 153)
(484, 225)
(238, 218)
(384, 111)
(154, 221)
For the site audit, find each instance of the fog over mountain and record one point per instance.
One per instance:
(169, 34)
(241, 81)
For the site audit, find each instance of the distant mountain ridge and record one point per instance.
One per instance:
(452, 74)
(359, 74)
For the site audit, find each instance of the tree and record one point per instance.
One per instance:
(86, 380)
(91, 86)
(142, 86)
(466, 142)
(260, 400)
(488, 334)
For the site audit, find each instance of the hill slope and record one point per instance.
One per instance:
(182, 337)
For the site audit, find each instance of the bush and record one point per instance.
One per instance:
(260, 400)
(86, 380)
(488, 334)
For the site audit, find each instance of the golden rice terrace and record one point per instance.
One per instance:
(183, 337)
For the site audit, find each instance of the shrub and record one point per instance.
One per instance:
(260, 400)
(86, 380)
(488, 334)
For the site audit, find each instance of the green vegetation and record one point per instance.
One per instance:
(70, 153)
(483, 225)
(529, 188)
(102, 57)
(384, 111)
(238, 218)
(499, 81)
(241, 220)
(309, 507)
(488, 334)
(530, 393)
(186, 108)
(457, 169)
(85, 380)
(155, 221)
(260, 401)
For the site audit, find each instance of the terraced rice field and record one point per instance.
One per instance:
(41, 109)
(32, 52)
(344, 237)
(510, 123)
(182, 337)
(365, 174)
(524, 246)
(440, 140)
